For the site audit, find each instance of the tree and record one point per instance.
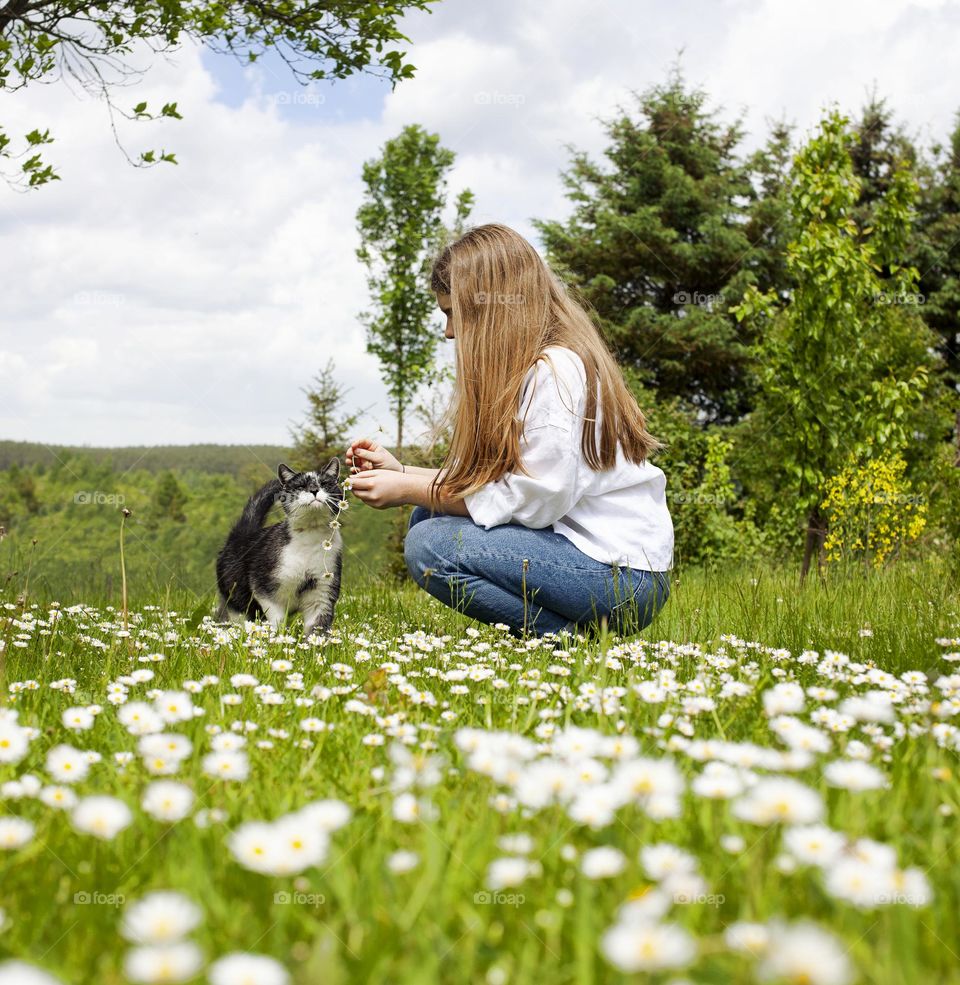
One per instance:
(401, 229)
(42, 41)
(845, 362)
(659, 245)
(170, 497)
(938, 259)
(327, 428)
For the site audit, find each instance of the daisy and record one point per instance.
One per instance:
(853, 774)
(61, 798)
(502, 873)
(166, 800)
(139, 718)
(662, 860)
(747, 938)
(634, 947)
(165, 963)
(254, 845)
(402, 861)
(241, 968)
(79, 719)
(14, 741)
(15, 832)
(160, 918)
(20, 973)
(101, 816)
(174, 706)
(804, 952)
(66, 764)
(226, 765)
(602, 862)
(327, 815)
(779, 799)
(814, 844)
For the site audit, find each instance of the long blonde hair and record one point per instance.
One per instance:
(507, 307)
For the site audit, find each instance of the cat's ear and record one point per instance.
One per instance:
(332, 469)
(285, 473)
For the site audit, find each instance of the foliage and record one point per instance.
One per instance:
(664, 239)
(832, 385)
(42, 41)
(66, 534)
(935, 253)
(328, 428)
(401, 228)
(872, 512)
(712, 522)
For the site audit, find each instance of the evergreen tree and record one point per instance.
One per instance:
(937, 256)
(659, 244)
(327, 428)
(170, 497)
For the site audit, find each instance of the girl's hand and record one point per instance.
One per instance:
(380, 488)
(364, 454)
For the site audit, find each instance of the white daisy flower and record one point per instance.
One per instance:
(67, 764)
(166, 800)
(160, 918)
(101, 816)
(633, 947)
(242, 968)
(167, 963)
(15, 832)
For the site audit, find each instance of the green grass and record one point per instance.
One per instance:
(358, 922)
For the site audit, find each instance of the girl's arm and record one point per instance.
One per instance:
(383, 488)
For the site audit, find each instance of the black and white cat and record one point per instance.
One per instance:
(288, 567)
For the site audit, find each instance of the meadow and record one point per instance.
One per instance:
(761, 787)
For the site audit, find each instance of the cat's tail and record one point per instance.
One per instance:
(258, 508)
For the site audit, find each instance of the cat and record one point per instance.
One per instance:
(288, 567)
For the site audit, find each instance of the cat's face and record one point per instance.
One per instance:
(310, 498)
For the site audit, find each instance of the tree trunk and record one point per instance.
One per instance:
(813, 545)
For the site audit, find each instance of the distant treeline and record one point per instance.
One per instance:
(233, 460)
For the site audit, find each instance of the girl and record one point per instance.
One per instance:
(546, 515)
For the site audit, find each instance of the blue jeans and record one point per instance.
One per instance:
(534, 581)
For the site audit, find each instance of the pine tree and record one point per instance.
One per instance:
(327, 428)
(659, 243)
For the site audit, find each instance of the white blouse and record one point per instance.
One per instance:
(618, 516)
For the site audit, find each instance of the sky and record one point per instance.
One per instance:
(193, 303)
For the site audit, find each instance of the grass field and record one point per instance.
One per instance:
(761, 788)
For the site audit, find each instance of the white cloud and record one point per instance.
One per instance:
(193, 303)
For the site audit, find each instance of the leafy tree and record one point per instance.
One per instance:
(401, 228)
(328, 427)
(842, 366)
(42, 41)
(659, 243)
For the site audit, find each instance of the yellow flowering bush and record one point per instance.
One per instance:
(872, 511)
